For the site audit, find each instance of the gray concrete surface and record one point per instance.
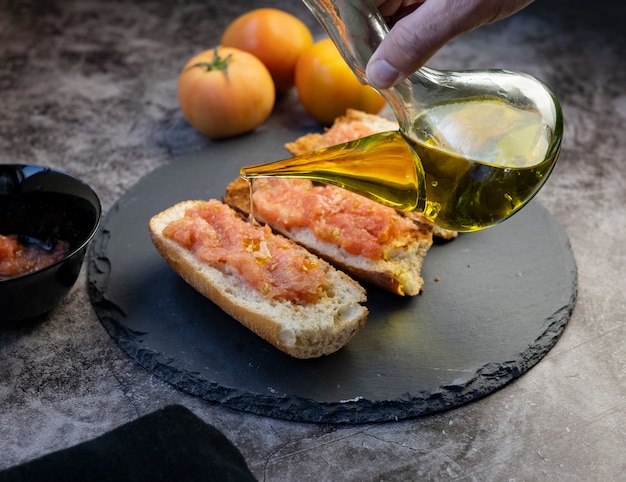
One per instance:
(89, 86)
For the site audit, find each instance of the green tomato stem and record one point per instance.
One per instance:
(218, 63)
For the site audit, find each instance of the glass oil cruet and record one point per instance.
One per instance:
(473, 147)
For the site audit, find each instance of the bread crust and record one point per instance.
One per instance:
(306, 331)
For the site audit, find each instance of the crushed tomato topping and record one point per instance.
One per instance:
(335, 215)
(18, 259)
(342, 132)
(268, 263)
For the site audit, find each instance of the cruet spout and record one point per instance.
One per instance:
(355, 165)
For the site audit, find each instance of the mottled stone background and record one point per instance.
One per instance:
(90, 86)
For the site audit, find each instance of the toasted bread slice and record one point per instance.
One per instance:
(302, 329)
(353, 125)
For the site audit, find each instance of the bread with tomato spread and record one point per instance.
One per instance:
(288, 296)
(371, 242)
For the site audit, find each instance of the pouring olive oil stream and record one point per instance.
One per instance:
(472, 148)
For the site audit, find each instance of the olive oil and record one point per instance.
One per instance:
(483, 160)
(251, 218)
(475, 164)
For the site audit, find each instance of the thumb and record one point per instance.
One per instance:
(410, 43)
(416, 38)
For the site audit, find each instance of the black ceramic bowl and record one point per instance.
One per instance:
(40, 203)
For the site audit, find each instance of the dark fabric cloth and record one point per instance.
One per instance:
(170, 444)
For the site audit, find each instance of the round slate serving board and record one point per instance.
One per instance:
(494, 303)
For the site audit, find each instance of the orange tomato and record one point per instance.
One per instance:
(224, 92)
(327, 86)
(276, 37)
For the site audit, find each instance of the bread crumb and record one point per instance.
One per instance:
(436, 278)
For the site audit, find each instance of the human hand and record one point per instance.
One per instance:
(419, 28)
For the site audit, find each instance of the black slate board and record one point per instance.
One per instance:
(494, 304)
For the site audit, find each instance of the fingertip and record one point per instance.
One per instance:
(381, 74)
